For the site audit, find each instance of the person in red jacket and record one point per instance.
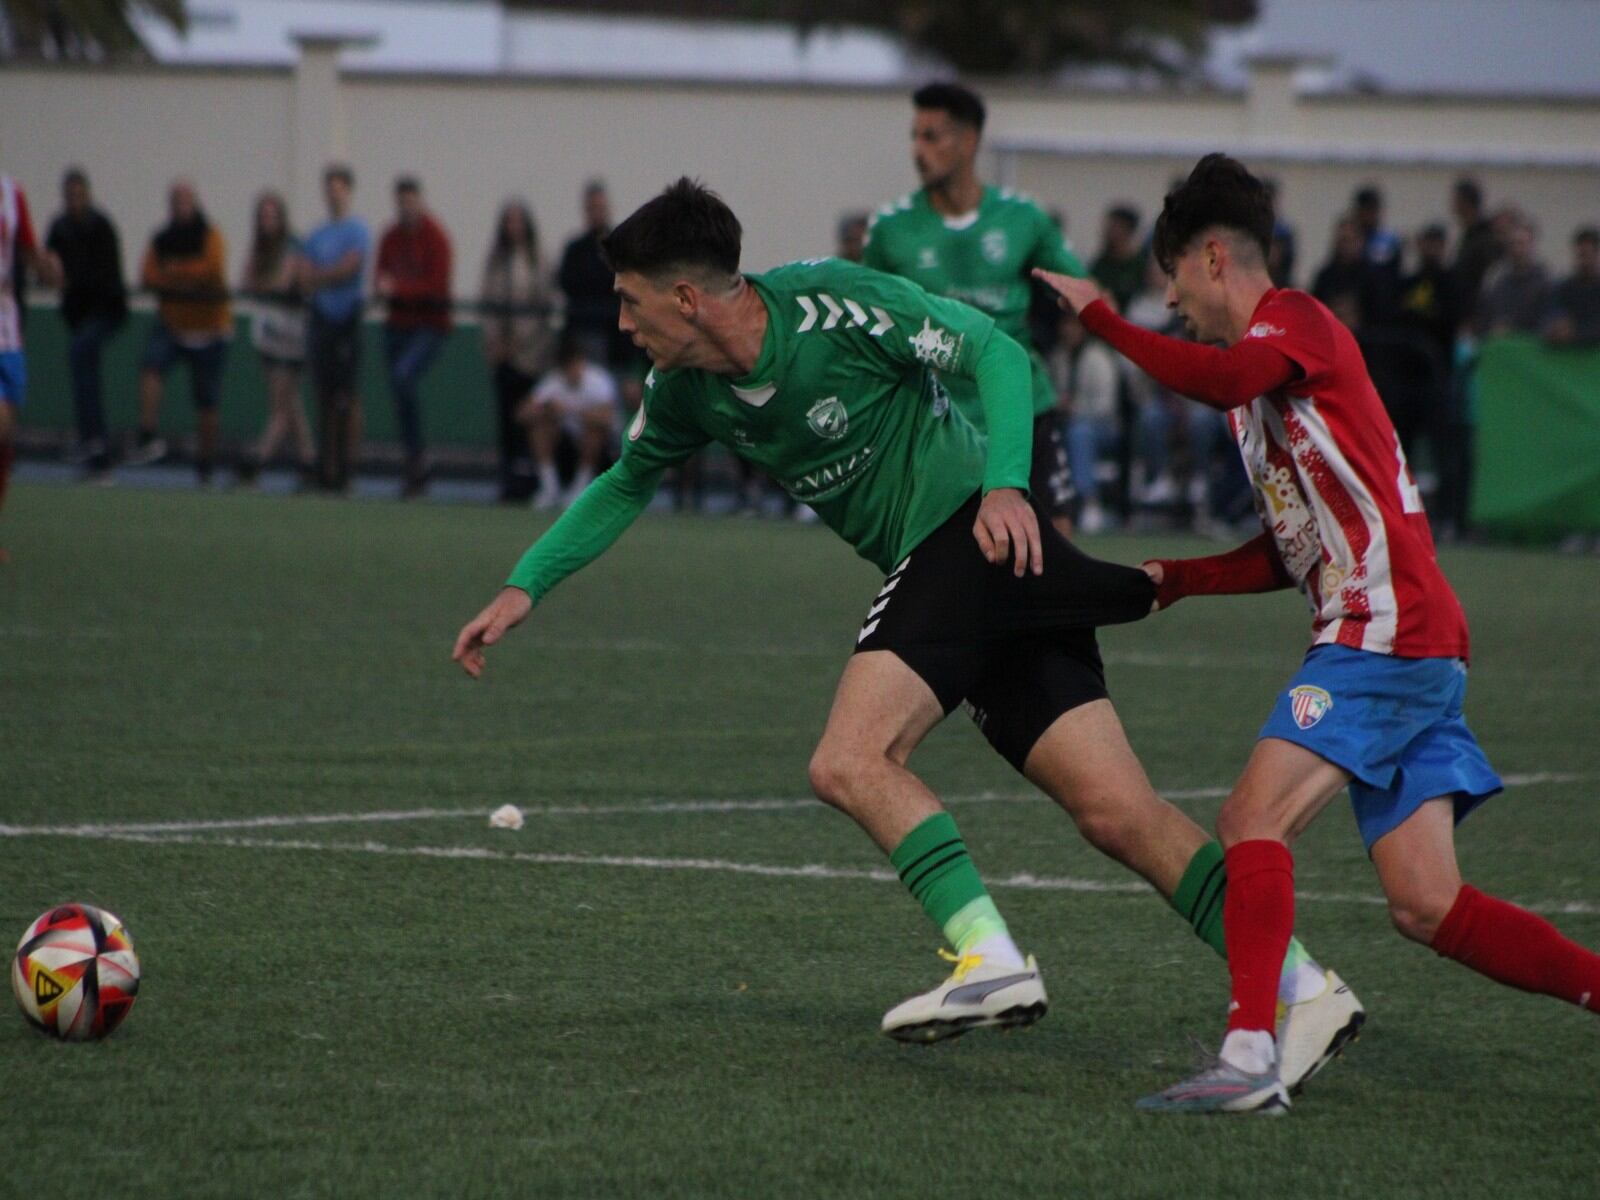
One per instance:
(413, 277)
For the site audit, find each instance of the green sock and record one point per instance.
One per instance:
(933, 863)
(1198, 901)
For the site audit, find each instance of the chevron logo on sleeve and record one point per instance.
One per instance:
(825, 312)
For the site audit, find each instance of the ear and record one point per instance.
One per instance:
(687, 297)
(1216, 252)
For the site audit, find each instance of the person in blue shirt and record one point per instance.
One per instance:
(333, 263)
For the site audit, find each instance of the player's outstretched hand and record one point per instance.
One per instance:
(1076, 294)
(1169, 583)
(1008, 528)
(506, 611)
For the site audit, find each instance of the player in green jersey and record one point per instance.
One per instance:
(828, 376)
(977, 244)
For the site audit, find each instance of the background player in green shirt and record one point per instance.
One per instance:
(828, 376)
(958, 237)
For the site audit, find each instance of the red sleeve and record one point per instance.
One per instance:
(386, 251)
(1221, 378)
(27, 240)
(438, 279)
(1252, 567)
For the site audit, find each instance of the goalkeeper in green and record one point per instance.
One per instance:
(827, 376)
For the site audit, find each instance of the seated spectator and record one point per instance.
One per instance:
(1085, 375)
(1381, 246)
(1119, 266)
(94, 305)
(271, 281)
(519, 304)
(578, 399)
(185, 266)
(1574, 316)
(1516, 292)
(1348, 283)
(333, 261)
(413, 275)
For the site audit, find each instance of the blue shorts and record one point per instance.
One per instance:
(13, 377)
(205, 363)
(1395, 724)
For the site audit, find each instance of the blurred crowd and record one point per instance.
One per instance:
(564, 379)
(1419, 305)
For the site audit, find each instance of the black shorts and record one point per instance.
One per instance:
(1018, 652)
(333, 352)
(1050, 476)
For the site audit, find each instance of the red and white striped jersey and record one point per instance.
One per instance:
(16, 237)
(1332, 485)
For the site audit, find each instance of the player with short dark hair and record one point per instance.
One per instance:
(1377, 705)
(828, 377)
(958, 237)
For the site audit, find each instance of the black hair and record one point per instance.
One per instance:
(74, 175)
(963, 104)
(686, 227)
(339, 171)
(1367, 196)
(1587, 233)
(1126, 213)
(407, 183)
(501, 249)
(1220, 191)
(1434, 231)
(1469, 190)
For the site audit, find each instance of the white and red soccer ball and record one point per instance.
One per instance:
(75, 973)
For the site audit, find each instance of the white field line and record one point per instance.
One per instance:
(1019, 882)
(642, 807)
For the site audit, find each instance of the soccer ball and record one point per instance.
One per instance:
(75, 973)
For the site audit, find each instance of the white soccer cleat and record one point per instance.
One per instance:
(1222, 1088)
(976, 994)
(1312, 1033)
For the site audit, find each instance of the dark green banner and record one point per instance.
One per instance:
(1538, 473)
(457, 397)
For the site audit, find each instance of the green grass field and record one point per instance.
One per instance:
(614, 1001)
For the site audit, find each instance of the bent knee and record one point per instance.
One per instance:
(833, 773)
(1417, 918)
(1105, 826)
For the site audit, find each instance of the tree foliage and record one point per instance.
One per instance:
(83, 29)
(984, 36)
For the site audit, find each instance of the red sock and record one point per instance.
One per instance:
(8, 453)
(1257, 921)
(1514, 946)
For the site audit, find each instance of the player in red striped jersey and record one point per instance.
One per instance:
(1377, 705)
(18, 244)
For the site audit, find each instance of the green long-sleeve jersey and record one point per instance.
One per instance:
(982, 259)
(844, 408)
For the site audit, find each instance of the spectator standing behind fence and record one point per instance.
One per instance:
(1119, 267)
(1516, 292)
(519, 306)
(94, 305)
(413, 276)
(271, 281)
(586, 280)
(578, 398)
(1430, 297)
(1348, 283)
(1476, 246)
(1281, 253)
(333, 261)
(1574, 315)
(1380, 245)
(186, 267)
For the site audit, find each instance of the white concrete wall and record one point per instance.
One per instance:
(789, 160)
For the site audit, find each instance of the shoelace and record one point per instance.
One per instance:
(964, 963)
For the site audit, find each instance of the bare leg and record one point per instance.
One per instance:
(1416, 865)
(294, 412)
(1084, 763)
(881, 711)
(596, 432)
(149, 401)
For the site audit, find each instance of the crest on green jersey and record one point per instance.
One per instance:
(935, 347)
(828, 418)
(994, 246)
